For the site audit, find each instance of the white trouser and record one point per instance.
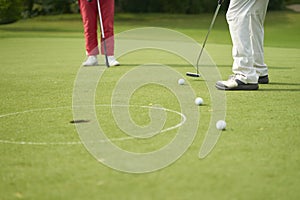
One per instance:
(246, 25)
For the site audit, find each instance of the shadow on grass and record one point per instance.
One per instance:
(279, 90)
(278, 83)
(282, 89)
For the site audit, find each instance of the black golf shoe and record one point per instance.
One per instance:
(263, 79)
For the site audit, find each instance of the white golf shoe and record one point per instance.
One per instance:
(90, 61)
(112, 61)
(236, 82)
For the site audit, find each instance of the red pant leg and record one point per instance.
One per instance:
(89, 15)
(107, 11)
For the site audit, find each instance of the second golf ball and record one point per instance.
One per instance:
(221, 125)
(181, 81)
(198, 101)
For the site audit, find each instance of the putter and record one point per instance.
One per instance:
(102, 32)
(200, 54)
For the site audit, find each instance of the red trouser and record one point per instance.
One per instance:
(89, 13)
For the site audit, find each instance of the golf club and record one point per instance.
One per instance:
(200, 54)
(102, 33)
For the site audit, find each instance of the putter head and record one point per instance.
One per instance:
(192, 74)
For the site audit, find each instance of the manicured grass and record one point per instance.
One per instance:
(257, 157)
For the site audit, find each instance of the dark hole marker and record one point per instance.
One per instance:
(80, 121)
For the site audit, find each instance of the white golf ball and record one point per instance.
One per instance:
(198, 101)
(221, 125)
(181, 81)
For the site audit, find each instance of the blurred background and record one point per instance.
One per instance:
(13, 10)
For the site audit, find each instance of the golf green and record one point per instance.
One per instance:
(42, 156)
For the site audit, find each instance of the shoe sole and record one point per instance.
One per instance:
(115, 65)
(90, 65)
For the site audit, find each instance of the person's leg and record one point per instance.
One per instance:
(238, 18)
(107, 11)
(89, 15)
(258, 14)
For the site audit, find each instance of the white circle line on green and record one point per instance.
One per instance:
(183, 119)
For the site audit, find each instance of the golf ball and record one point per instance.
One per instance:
(198, 101)
(181, 81)
(221, 125)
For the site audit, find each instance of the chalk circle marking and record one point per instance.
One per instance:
(183, 119)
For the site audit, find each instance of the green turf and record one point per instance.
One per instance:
(257, 157)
